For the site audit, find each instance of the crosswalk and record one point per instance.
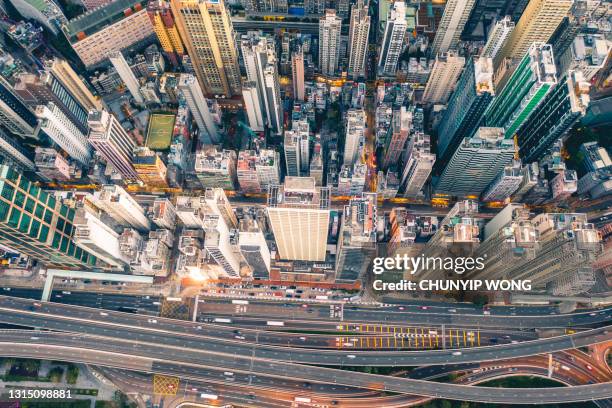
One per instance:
(394, 337)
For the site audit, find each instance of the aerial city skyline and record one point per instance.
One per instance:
(216, 161)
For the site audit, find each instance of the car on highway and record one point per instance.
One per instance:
(457, 353)
(423, 307)
(588, 366)
(152, 321)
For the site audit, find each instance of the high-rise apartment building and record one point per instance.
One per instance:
(254, 248)
(253, 106)
(393, 40)
(115, 26)
(568, 246)
(534, 77)
(418, 166)
(208, 35)
(120, 205)
(112, 142)
(497, 38)
(554, 117)
(94, 236)
(397, 135)
(303, 130)
(150, 168)
(357, 238)
(198, 105)
(259, 55)
(466, 106)
(165, 28)
(15, 116)
(126, 75)
(216, 168)
(50, 165)
(537, 23)
(329, 43)
(247, 173)
(217, 244)
(456, 14)
(163, 214)
(297, 74)
(37, 224)
(588, 53)
(42, 88)
(359, 29)
(505, 184)
(257, 170)
(73, 84)
(443, 78)
(476, 163)
(354, 137)
(14, 153)
(291, 146)
(63, 131)
(299, 216)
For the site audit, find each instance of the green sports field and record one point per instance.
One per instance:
(159, 134)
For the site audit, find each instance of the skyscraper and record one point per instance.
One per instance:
(393, 40)
(252, 106)
(208, 35)
(216, 168)
(51, 165)
(476, 163)
(299, 216)
(303, 130)
(357, 238)
(397, 135)
(73, 84)
(257, 170)
(419, 162)
(15, 116)
(563, 106)
(354, 137)
(358, 39)
(59, 128)
(36, 223)
(126, 75)
(14, 153)
(192, 92)
(329, 43)
(505, 184)
(466, 106)
(120, 205)
(443, 78)
(112, 142)
(456, 13)
(497, 38)
(150, 168)
(165, 28)
(537, 23)
(291, 147)
(259, 55)
(297, 74)
(534, 77)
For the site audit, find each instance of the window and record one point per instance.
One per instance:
(24, 225)
(51, 202)
(56, 240)
(19, 199)
(35, 229)
(63, 210)
(64, 245)
(68, 229)
(40, 210)
(44, 233)
(34, 190)
(24, 184)
(7, 192)
(43, 197)
(48, 216)
(14, 217)
(4, 209)
(60, 224)
(30, 205)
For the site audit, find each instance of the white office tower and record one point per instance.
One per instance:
(393, 40)
(357, 238)
(260, 62)
(217, 244)
(297, 74)
(358, 39)
(303, 130)
(254, 248)
(509, 238)
(443, 78)
(457, 236)
(252, 106)
(218, 203)
(569, 244)
(94, 236)
(192, 211)
(14, 153)
(120, 205)
(112, 142)
(299, 216)
(64, 132)
(497, 37)
(329, 43)
(355, 137)
(267, 166)
(476, 163)
(587, 53)
(456, 14)
(198, 105)
(419, 162)
(505, 184)
(126, 75)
